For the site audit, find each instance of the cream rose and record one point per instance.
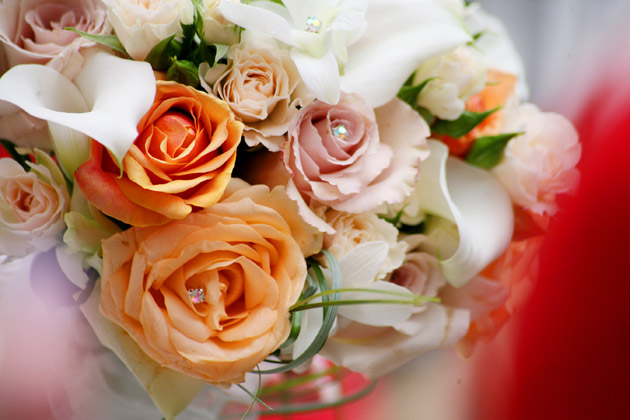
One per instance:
(142, 24)
(540, 163)
(32, 206)
(339, 157)
(456, 77)
(209, 295)
(354, 229)
(264, 90)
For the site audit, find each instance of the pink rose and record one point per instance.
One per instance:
(32, 32)
(339, 157)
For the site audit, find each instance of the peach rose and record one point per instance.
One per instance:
(182, 160)
(32, 206)
(263, 89)
(209, 295)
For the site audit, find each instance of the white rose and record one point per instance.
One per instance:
(142, 24)
(457, 76)
(264, 90)
(354, 229)
(540, 163)
(32, 206)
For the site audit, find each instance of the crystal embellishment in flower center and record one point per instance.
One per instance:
(313, 25)
(340, 131)
(197, 295)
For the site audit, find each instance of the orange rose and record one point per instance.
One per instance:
(209, 295)
(181, 160)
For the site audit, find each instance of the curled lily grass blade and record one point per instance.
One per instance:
(329, 314)
(105, 101)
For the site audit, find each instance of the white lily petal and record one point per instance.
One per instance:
(110, 96)
(170, 391)
(476, 203)
(378, 314)
(321, 75)
(360, 266)
(376, 351)
(257, 19)
(401, 33)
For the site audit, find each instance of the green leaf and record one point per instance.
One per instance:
(409, 94)
(110, 41)
(413, 229)
(487, 152)
(184, 72)
(330, 313)
(463, 125)
(393, 220)
(188, 40)
(162, 55)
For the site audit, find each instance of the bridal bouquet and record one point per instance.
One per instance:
(239, 189)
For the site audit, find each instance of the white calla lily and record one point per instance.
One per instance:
(400, 35)
(317, 31)
(473, 200)
(105, 101)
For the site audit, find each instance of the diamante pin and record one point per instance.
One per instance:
(340, 131)
(313, 24)
(197, 295)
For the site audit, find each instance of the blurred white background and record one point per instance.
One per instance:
(565, 45)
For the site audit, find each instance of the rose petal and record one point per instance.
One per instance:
(405, 132)
(422, 29)
(170, 391)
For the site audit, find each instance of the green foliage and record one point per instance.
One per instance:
(487, 152)
(184, 72)
(110, 41)
(409, 93)
(181, 55)
(461, 126)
